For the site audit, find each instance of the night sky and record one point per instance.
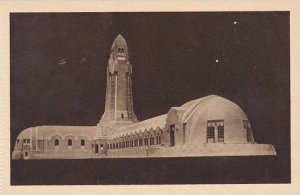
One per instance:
(58, 67)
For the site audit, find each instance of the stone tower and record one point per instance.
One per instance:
(118, 102)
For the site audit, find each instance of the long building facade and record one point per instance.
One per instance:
(208, 126)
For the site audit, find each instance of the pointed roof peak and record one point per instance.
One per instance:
(119, 36)
(120, 40)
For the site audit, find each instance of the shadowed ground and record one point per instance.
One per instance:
(206, 170)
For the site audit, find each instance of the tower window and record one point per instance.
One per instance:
(120, 50)
(56, 142)
(69, 142)
(82, 142)
(122, 115)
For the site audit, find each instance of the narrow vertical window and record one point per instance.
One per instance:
(140, 142)
(151, 140)
(172, 135)
(56, 142)
(220, 133)
(210, 134)
(146, 141)
(183, 131)
(247, 127)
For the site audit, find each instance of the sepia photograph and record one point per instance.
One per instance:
(117, 98)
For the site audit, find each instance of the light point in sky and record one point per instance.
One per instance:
(62, 61)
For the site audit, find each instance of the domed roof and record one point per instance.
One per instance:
(47, 132)
(25, 134)
(210, 108)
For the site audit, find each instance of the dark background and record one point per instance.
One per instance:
(174, 60)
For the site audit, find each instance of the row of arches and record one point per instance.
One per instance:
(141, 139)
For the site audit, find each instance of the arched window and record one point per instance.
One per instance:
(56, 142)
(82, 142)
(151, 140)
(158, 139)
(140, 142)
(131, 143)
(69, 142)
(146, 141)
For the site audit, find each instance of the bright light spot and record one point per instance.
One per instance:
(235, 22)
(217, 61)
(62, 61)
